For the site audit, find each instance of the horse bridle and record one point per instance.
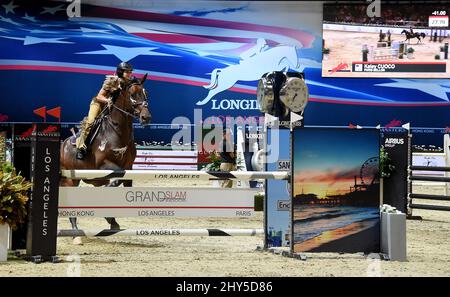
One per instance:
(144, 102)
(134, 103)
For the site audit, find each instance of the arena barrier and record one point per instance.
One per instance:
(412, 196)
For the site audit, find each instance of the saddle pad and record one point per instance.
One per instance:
(73, 139)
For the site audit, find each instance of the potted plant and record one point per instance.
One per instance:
(13, 203)
(437, 57)
(400, 56)
(410, 52)
(325, 52)
(259, 201)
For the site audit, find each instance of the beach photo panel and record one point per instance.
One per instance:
(335, 190)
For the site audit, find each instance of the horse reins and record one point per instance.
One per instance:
(125, 112)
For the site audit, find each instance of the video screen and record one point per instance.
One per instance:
(393, 40)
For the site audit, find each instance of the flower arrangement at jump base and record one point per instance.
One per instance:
(259, 201)
(13, 196)
(214, 164)
(389, 209)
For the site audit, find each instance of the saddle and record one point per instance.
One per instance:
(92, 134)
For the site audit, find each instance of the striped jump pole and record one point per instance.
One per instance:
(169, 175)
(160, 232)
(430, 207)
(428, 196)
(429, 178)
(430, 168)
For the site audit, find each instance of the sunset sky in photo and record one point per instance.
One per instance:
(326, 161)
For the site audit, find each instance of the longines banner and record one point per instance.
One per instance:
(155, 202)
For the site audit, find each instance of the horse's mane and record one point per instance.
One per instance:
(124, 86)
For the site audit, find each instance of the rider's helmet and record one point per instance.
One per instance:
(122, 67)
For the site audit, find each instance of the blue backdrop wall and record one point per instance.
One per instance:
(207, 55)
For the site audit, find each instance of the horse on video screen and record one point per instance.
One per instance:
(410, 35)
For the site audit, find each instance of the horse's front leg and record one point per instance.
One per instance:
(73, 222)
(112, 221)
(113, 224)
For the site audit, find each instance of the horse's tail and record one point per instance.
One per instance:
(423, 35)
(213, 83)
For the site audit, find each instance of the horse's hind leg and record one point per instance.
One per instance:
(73, 221)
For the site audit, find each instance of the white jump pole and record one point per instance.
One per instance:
(168, 175)
(160, 232)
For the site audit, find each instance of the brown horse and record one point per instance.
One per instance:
(113, 147)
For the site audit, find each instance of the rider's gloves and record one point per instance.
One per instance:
(109, 102)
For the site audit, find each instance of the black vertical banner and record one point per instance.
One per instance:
(395, 187)
(45, 166)
(21, 135)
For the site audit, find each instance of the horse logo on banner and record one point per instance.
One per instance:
(255, 62)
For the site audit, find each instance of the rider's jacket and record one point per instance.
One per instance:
(111, 84)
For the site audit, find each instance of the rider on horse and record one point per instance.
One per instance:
(104, 97)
